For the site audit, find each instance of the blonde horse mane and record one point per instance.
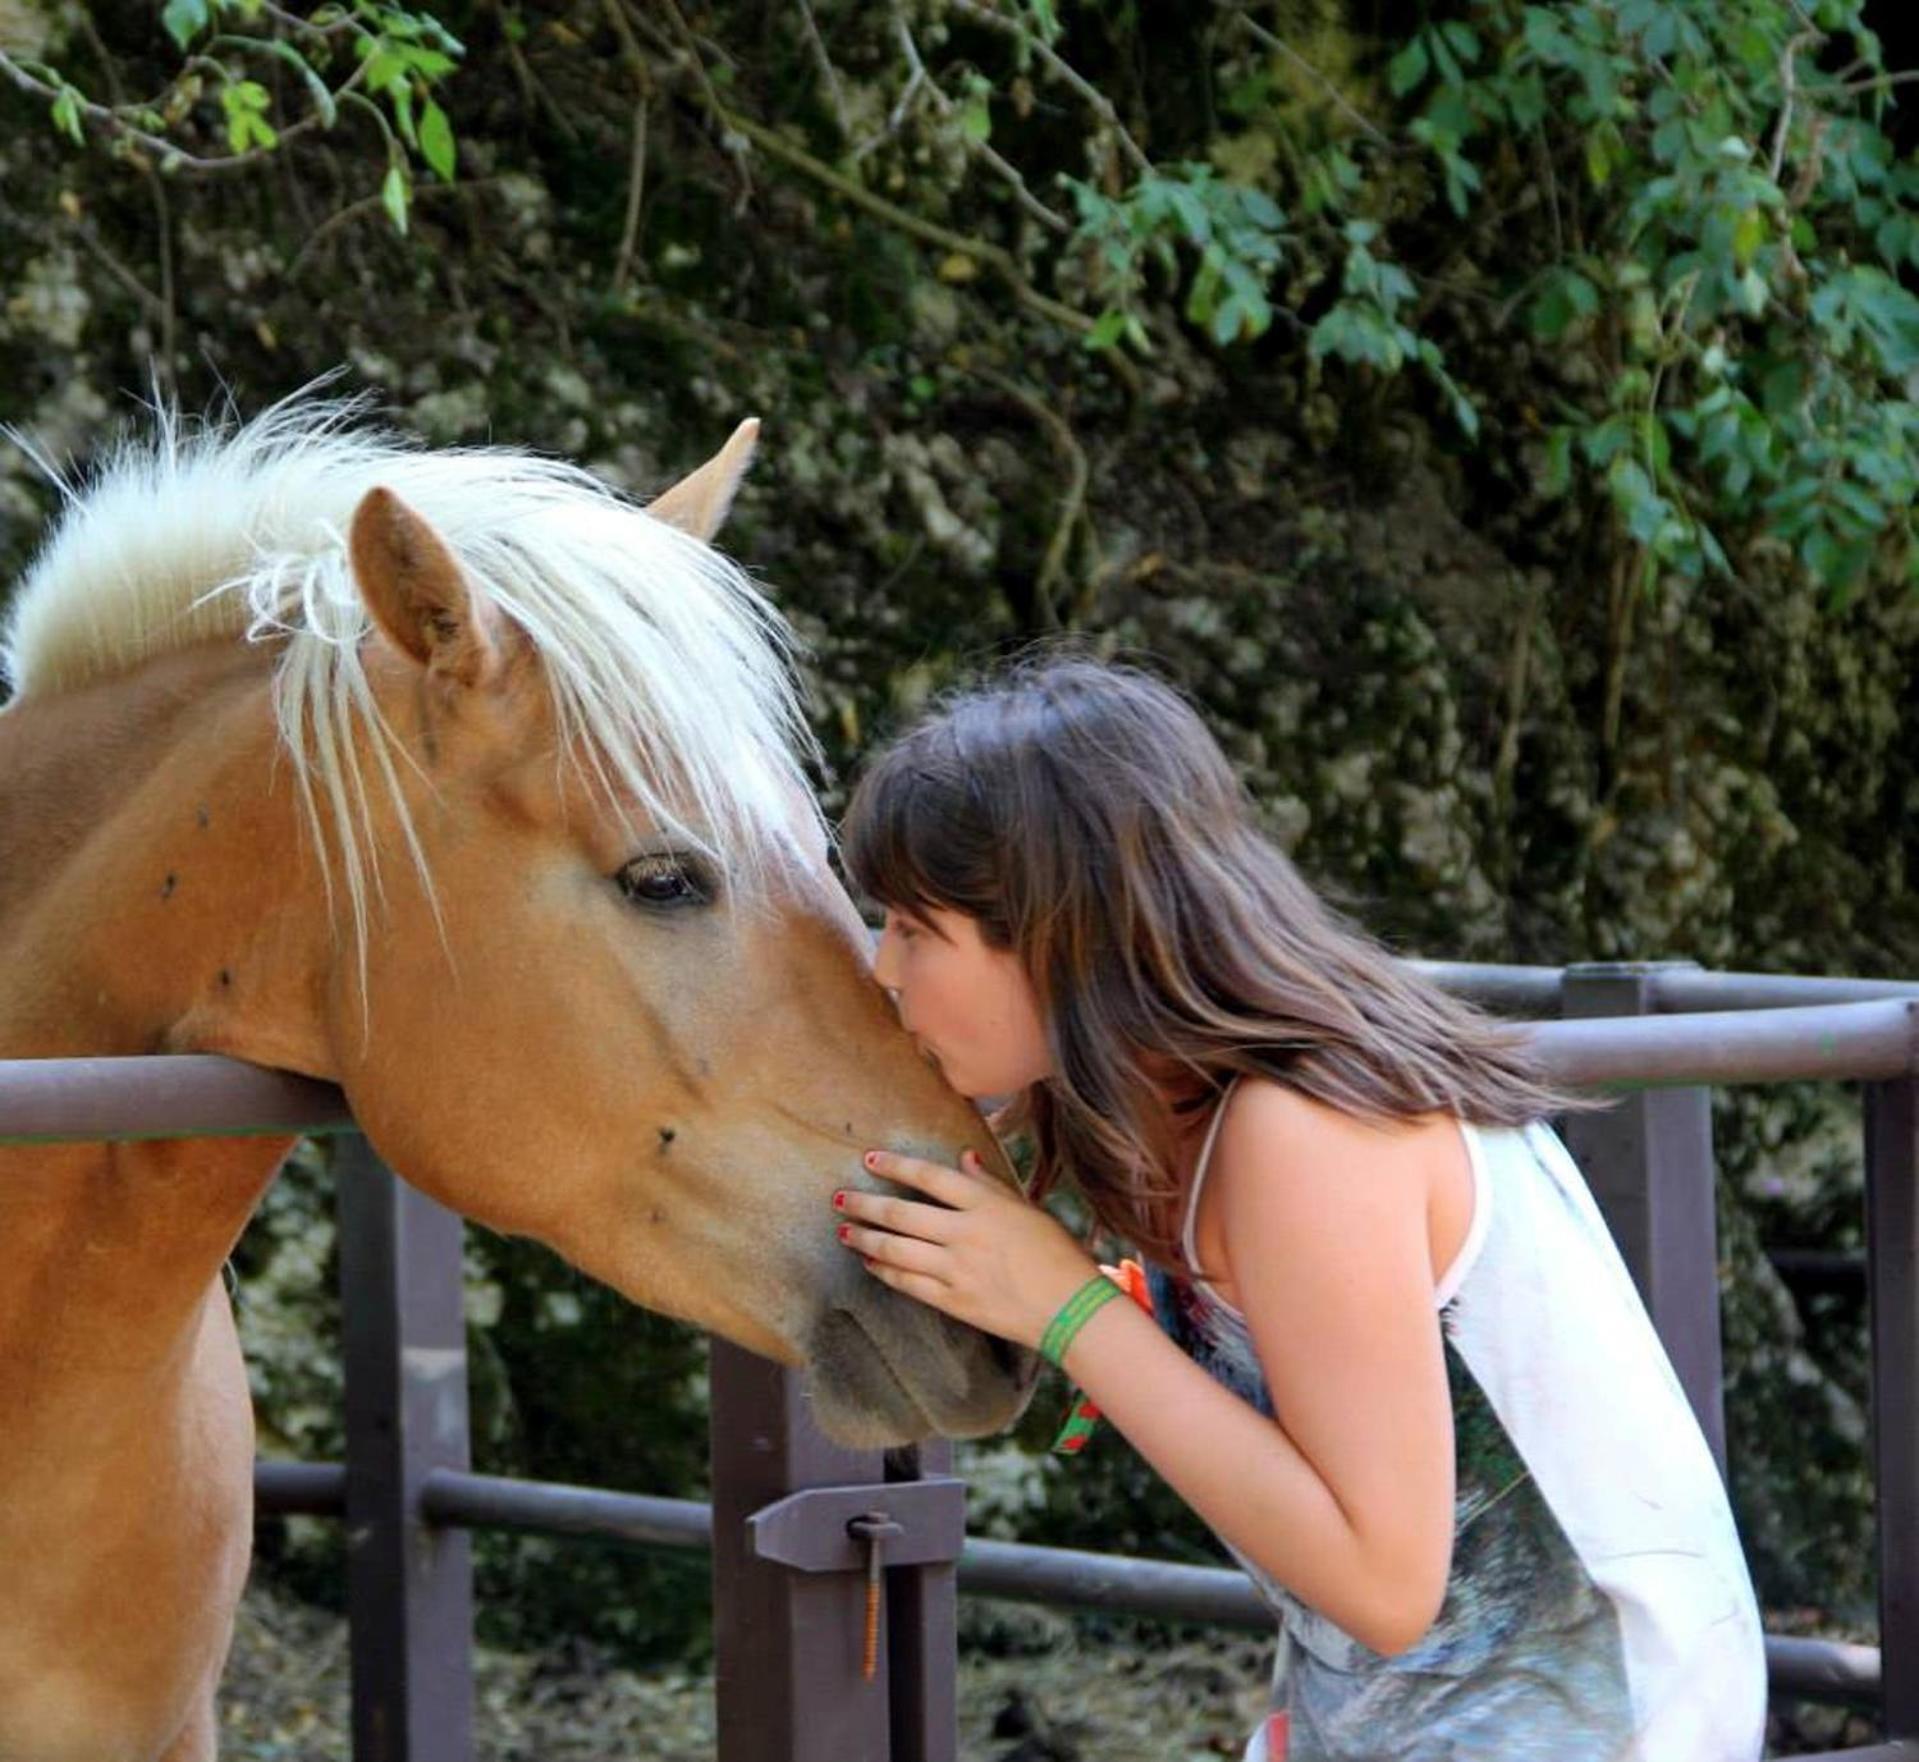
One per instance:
(670, 673)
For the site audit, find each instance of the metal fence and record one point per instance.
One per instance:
(793, 1516)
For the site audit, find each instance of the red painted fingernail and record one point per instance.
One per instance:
(846, 1230)
(839, 1201)
(871, 1159)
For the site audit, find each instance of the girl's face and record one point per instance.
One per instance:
(966, 1002)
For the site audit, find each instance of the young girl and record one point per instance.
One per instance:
(1395, 1361)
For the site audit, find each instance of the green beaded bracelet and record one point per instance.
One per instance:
(1073, 1315)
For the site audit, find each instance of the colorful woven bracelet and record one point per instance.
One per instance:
(1074, 1314)
(1082, 1413)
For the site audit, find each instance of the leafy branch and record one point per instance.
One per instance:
(398, 57)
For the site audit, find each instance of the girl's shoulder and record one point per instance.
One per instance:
(1273, 1124)
(1288, 1168)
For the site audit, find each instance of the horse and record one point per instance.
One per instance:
(461, 780)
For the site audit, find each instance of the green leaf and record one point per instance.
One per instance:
(1657, 444)
(1525, 99)
(1601, 147)
(1558, 475)
(1547, 38)
(1566, 298)
(1045, 18)
(1831, 562)
(1261, 210)
(395, 196)
(244, 102)
(1462, 178)
(1408, 67)
(429, 64)
(1602, 441)
(184, 20)
(66, 115)
(401, 98)
(976, 121)
(436, 140)
(1863, 507)
(1110, 327)
(384, 67)
(1750, 293)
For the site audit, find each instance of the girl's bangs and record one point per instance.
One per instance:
(892, 837)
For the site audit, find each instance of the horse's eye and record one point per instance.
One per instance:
(662, 881)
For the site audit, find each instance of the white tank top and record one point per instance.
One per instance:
(1599, 1608)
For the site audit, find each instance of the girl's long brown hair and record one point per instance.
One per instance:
(1082, 813)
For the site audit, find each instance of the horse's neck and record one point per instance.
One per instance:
(152, 899)
(156, 892)
(70, 762)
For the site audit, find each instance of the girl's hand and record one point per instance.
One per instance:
(982, 1253)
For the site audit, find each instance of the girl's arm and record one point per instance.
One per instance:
(1347, 1501)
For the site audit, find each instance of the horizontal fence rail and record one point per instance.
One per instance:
(1676, 988)
(46, 1101)
(1658, 1034)
(1019, 1572)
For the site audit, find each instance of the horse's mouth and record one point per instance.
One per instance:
(859, 1398)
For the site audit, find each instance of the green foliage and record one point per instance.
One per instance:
(1236, 234)
(400, 57)
(1721, 223)
(1729, 266)
(1727, 225)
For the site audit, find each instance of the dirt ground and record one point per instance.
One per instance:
(1035, 1686)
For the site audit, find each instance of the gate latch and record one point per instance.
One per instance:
(827, 1529)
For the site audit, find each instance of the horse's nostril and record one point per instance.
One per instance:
(1005, 1354)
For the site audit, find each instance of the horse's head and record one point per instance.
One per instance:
(621, 1003)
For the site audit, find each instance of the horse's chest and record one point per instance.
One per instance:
(51, 1711)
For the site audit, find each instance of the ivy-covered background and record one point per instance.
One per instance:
(1500, 416)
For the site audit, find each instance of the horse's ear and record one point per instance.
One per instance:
(418, 594)
(699, 501)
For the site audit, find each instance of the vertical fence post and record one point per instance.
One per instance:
(1892, 1252)
(788, 1644)
(922, 1630)
(1648, 1160)
(409, 1584)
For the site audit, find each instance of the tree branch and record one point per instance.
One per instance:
(635, 186)
(1047, 217)
(1072, 502)
(827, 69)
(635, 58)
(1099, 103)
(992, 257)
(1788, 62)
(171, 156)
(1262, 35)
(371, 204)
